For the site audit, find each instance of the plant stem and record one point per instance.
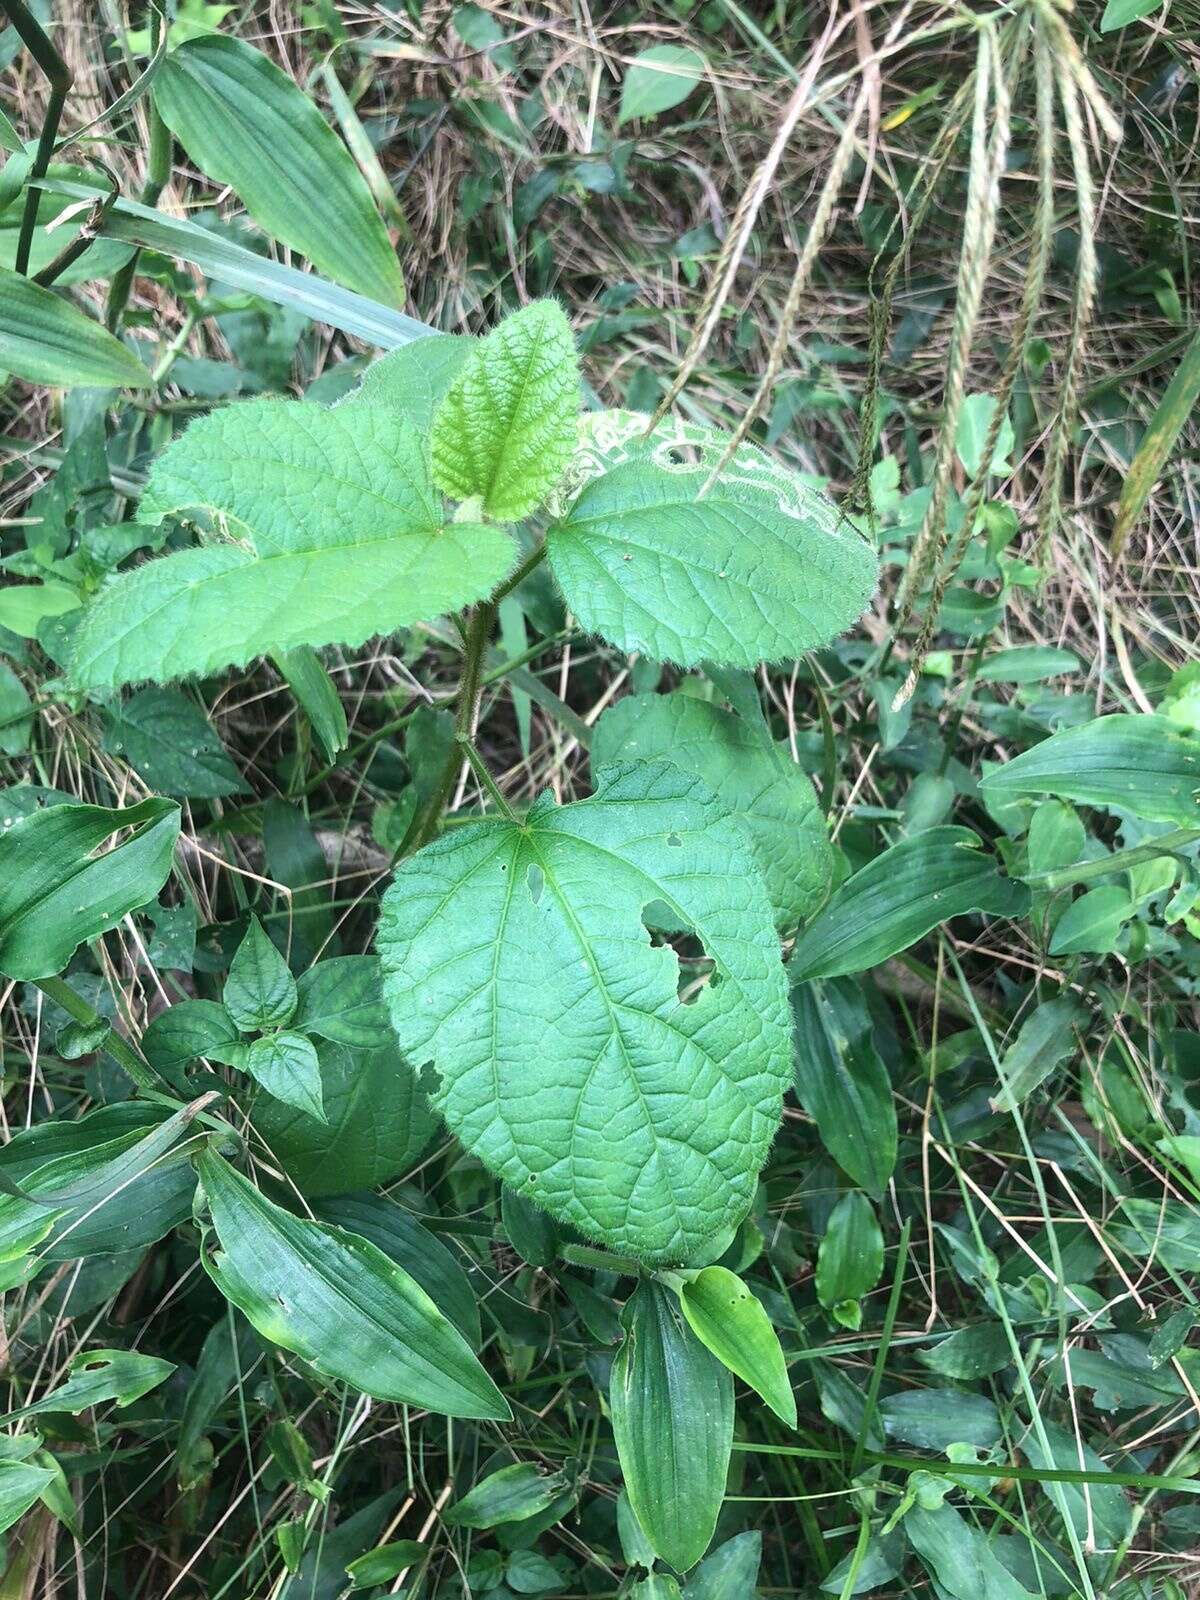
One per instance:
(61, 78)
(531, 561)
(1167, 844)
(120, 1049)
(582, 1255)
(158, 172)
(424, 824)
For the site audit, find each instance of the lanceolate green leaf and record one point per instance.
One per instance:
(842, 1083)
(732, 577)
(260, 992)
(672, 1417)
(55, 891)
(245, 123)
(45, 339)
(756, 781)
(338, 1302)
(508, 423)
(898, 897)
(1145, 765)
(513, 1494)
(850, 1260)
(376, 1123)
(659, 79)
(100, 1375)
(592, 1087)
(20, 1485)
(331, 531)
(729, 1320)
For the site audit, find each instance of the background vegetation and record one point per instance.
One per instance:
(1038, 246)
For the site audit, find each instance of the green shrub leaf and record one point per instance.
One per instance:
(659, 79)
(245, 123)
(260, 992)
(285, 1063)
(167, 739)
(336, 534)
(1147, 766)
(55, 891)
(756, 781)
(376, 1123)
(842, 1083)
(899, 896)
(729, 1320)
(733, 577)
(672, 1417)
(507, 426)
(45, 339)
(517, 965)
(414, 379)
(338, 1302)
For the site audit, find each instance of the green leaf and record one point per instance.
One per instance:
(246, 124)
(100, 1375)
(935, 1419)
(55, 891)
(850, 1258)
(737, 577)
(400, 1235)
(16, 712)
(1091, 923)
(260, 992)
(167, 739)
(672, 1418)
(337, 534)
(637, 1118)
(730, 1572)
(317, 696)
(286, 1065)
(24, 606)
(238, 268)
(531, 1231)
(44, 339)
(507, 425)
(658, 80)
(385, 1562)
(842, 1083)
(729, 1320)
(186, 1031)
(1144, 765)
(414, 379)
(898, 897)
(756, 781)
(342, 1000)
(339, 1303)
(514, 1494)
(1120, 13)
(115, 1180)
(1056, 837)
(376, 1123)
(20, 1485)
(974, 420)
(960, 1556)
(1027, 663)
(1172, 412)
(1046, 1037)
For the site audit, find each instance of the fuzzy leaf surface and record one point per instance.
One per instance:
(333, 532)
(760, 784)
(733, 578)
(518, 966)
(507, 426)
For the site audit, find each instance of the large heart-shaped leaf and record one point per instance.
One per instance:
(518, 966)
(332, 531)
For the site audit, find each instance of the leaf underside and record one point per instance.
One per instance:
(518, 966)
